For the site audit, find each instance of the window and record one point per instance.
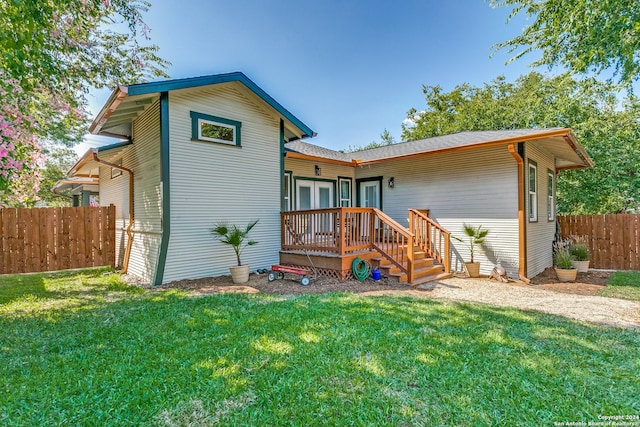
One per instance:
(551, 211)
(287, 192)
(533, 191)
(215, 129)
(344, 185)
(115, 172)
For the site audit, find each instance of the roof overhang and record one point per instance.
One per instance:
(128, 102)
(295, 155)
(77, 185)
(86, 166)
(562, 143)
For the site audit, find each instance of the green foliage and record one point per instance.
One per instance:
(606, 125)
(59, 159)
(52, 53)
(580, 252)
(580, 35)
(234, 236)
(623, 284)
(385, 139)
(476, 236)
(79, 350)
(562, 257)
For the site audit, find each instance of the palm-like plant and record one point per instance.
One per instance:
(235, 237)
(476, 237)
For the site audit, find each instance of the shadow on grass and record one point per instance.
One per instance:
(331, 359)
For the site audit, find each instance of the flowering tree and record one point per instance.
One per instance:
(52, 54)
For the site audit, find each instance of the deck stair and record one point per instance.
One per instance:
(425, 270)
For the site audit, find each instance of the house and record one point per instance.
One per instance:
(503, 180)
(197, 151)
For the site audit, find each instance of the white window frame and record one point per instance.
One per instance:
(287, 194)
(198, 119)
(222, 125)
(533, 194)
(551, 205)
(341, 200)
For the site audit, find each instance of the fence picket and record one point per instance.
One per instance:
(614, 240)
(48, 239)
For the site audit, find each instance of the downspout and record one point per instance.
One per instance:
(54, 190)
(522, 258)
(127, 252)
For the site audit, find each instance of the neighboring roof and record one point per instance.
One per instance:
(74, 182)
(560, 141)
(127, 102)
(86, 166)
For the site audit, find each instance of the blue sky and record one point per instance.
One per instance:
(348, 69)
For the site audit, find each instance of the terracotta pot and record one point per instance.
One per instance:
(581, 266)
(473, 269)
(240, 274)
(566, 274)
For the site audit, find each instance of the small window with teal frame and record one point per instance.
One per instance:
(205, 127)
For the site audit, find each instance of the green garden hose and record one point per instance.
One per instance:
(361, 269)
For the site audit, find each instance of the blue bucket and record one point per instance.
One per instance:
(375, 273)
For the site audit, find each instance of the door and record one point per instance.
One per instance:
(314, 194)
(370, 194)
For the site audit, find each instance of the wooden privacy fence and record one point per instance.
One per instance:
(48, 239)
(614, 240)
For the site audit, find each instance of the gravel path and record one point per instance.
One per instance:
(606, 311)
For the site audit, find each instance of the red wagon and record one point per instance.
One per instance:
(277, 272)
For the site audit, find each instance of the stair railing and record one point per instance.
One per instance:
(393, 241)
(431, 237)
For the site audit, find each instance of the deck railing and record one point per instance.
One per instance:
(348, 230)
(431, 238)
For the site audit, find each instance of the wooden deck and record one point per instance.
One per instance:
(330, 239)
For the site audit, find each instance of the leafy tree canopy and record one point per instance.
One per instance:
(605, 124)
(385, 139)
(581, 35)
(52, 53)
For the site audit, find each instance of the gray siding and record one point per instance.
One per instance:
(540, 234)
(115, 191)
(143, 158)
(476, 187)
(213, 182)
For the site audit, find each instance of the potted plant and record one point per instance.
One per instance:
(580, 254)
(476, 236)
(562, 260)
(237, 238)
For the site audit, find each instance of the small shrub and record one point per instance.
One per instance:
(562, 257)
(579, 248)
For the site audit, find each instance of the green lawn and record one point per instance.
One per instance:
(83, 349)
(623, 284)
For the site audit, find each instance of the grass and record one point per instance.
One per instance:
(623, 284)
(84, 349)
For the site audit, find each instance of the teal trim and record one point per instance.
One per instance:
(302, 178)
(282, 193)
(116, 145)
(195, 132)
(164, 174)
(290, 175)
(175, 84)
(373, 178)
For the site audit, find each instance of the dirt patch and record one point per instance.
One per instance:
(290, 285)
(589, 283)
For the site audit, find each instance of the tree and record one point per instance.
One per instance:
(385, 139)
(581, 35)
(59, 159)
(52, 53)
(607, 127)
